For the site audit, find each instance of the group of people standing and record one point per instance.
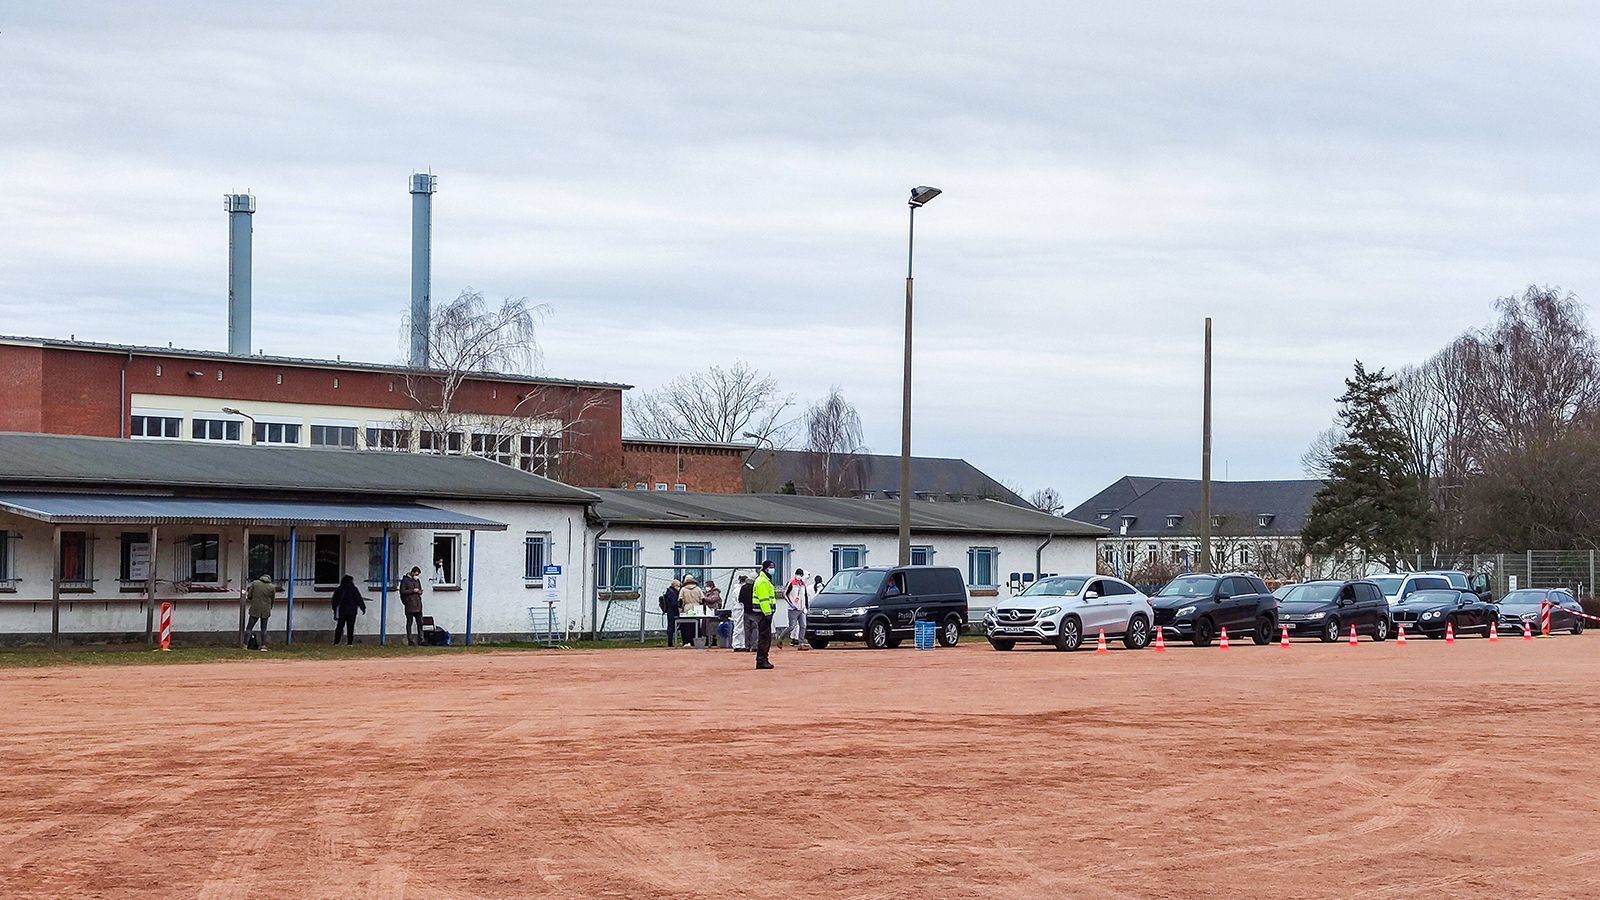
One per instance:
(347, 603)
(685, 598)
(758, 604)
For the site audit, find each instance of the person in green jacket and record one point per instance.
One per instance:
(765, 598)
(259, 596)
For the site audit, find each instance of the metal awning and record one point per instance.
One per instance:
(135, 509)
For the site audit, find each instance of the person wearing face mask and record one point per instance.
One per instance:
(765, 598)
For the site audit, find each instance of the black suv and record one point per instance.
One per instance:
(881, 606)
(1198, 607)
(1328, 609)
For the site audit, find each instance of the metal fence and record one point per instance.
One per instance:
(635, 611)
(1573, 569)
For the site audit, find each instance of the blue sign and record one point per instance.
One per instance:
(552, 570)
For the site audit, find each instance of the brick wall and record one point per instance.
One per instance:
(711, 470)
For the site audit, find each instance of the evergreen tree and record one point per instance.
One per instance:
(1371, 501)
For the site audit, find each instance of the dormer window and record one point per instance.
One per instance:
(1216, 521)
(1127, 522)
(1264, 519)
(1174, 521)
(1105, 514)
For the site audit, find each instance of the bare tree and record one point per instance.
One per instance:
(832, 465)
(472, 340)
(1319, 455)
(1047, 500)
(718, 406)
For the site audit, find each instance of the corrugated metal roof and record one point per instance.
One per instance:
(298, 361)
(662, 508)
(75, 463)
(148, 510)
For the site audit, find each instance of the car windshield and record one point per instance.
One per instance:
(1430, 598)
(1190, 586)
(1055, 587)
(1523, 598)
(1390, 584)
(1313, 593)
(1457, 580)
(1286, 590)
(855, 581)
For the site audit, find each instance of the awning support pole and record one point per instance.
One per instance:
(383, 602)
(288, 619)
(150, 593)
(55, 595)
(472, 558)
(244, 584)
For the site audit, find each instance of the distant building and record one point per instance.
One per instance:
(1154, 525)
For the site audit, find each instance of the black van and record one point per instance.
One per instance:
(880, 607)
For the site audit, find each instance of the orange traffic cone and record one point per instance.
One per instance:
(1494, 633)
(1284, 641)
(1224, 644)
(1527, 631)
(1402, 638)
(1353, 637)
(1161, 642)
(1101, 647)
(1449, 632)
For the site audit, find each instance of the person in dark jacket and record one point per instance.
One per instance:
(669, 603)
(347, 601)
(750, 619)
(411, 599)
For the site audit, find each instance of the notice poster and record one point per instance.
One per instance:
(139, 561)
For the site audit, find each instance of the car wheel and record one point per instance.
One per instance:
(817, 643)
(1071, 636)
(1577, 625)
(1380, 631)
(1137, 637)
(1330, 631)
(1204, 632)
(950, 632)
(1001, 645)
(1264, 631)
(878, 634)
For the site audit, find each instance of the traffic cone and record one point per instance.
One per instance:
(1449, 632)
(1101, 647)
(1161, 642)
(1224, 644)
(1284, 641)
(1494, 633)
(1401, 640)
(1353, 637)
(1527, 631)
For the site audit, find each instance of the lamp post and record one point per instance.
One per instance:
(920, 195)
(759, 439)
(250, 441)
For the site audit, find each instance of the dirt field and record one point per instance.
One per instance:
(1382, 771)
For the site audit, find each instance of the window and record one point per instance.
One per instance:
(981, 565)
(493, 446)
(375, 559)
(661, 485)
(922, 556)
(641, 485)
(77, 559)
(848, 556)
(615, 565)
(383, 437)
(1244, 556)
(1173, 521)
(1177, 555)
(214, 429)
(327, 555)
(440, 442)
(341, 437)
(133, 565)
(1216, 521)
(535, 554)
(1150, 552)
(204, 565)
(447, 559)
(691, 559)
(778, 554)
(155, 426)
(681, 488)
(1264, 520)
(1127, 522)
(541, 454)
(261, 557)
(8, 578)
(277, 433)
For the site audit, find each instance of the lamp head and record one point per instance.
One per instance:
(921, 194)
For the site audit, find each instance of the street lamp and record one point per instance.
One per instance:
(752, 454)
(920, 195)
(251, 441)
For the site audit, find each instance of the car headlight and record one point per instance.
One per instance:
(1049, 611)
(1185, 611)
(856, 611)
(1431, 614)
(1320, 615)
(1529, 617)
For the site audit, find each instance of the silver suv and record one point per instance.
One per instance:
(1063, 609)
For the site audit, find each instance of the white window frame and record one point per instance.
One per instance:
(452, 573)
(172, 417)
(927, 552)
(226, 420)
(455, 442)
(681, 564)
(539, 453)
(263, 431)
(533, 574)
(839, 550)
(355, 433)
(993, 554)
(781, 564)
(604, 569)
(502, 448)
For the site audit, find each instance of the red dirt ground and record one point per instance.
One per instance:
(1380, 771)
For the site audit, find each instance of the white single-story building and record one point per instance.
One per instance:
(97, 533)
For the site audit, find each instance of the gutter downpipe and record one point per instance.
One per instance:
(1038, 557)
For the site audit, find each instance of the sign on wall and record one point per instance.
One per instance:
(139, 561)
(552, 584)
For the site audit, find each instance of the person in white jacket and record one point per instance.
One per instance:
(798, 596)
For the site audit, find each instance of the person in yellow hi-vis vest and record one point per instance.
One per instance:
(765, 598)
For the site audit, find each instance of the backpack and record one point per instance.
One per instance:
(661, 601)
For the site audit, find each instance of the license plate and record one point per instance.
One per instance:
(1005, 630)
(822, 632)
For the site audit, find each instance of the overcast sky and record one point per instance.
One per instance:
(690, 183)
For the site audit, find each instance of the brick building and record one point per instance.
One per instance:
(570, 430)
(684, 466)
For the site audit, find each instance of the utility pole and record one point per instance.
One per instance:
(1205, 463)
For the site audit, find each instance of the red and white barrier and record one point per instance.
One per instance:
(166, 627)
(1224, 644)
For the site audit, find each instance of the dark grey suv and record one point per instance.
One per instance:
(880, 607)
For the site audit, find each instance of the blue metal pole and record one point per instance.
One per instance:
(472, 559)
(383, 602)
(288, 623)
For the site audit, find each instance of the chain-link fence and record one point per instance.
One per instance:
(632, 609)
(1571, 569)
